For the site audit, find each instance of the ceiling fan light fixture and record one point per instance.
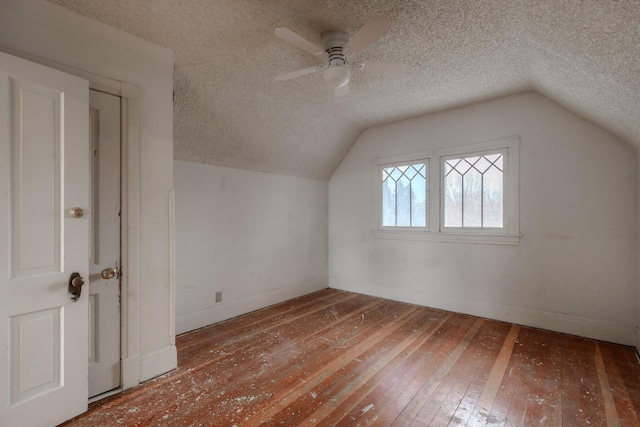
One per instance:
(336, 76)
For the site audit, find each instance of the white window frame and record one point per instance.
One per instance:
(509, 234)
(427, 187)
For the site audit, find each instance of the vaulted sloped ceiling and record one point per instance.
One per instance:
(230, 111)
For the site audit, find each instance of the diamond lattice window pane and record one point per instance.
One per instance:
(473, 196)
(482, 164)
(418, 202)
(492, 198)
(493, 157)
(389, 203)
(447, 168)
(472, 199)
(395, 174)
(463, 166)
(453, 200)
(404, 202)
(450, 165)
(410, 172)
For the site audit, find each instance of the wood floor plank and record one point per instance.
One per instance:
(360, 404)
(485, 402)
(511, 388)
(624, 385)
(610, 412)
(461, 389)
(245, 330)
(337, 367)
(341, 381)
(529, 390)
(370, 400)
(544, 404)
(294, 366)
(498, 342)
(582, 399)
(420, 368)
(266, 349)
(362, 371)
(426, 391)
(336, 358)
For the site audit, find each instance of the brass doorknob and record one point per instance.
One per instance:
(110, 273)
(75, 286)
(76, 212)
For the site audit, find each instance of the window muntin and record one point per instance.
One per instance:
(404, 195)
(473, 190)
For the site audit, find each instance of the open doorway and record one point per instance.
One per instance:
(105, 242)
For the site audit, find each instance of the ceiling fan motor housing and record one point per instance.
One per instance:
(333, 44)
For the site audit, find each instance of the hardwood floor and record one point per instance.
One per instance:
(341, 359)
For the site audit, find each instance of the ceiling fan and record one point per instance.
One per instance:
(337, 49)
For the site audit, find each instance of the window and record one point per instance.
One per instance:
(404, 195)
(465, 193)
(473, 191)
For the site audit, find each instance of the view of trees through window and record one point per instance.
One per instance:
(473, 191)
(404, 196)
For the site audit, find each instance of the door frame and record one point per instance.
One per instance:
(130, 95)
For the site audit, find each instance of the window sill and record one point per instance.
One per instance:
(481, 238)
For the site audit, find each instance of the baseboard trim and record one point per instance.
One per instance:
(158, 362)
(228, 310)
(573, 325)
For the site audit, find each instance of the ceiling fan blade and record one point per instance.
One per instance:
(296, 40)
(375, 28)
(389, 68)
(297, 73)
(342, 90)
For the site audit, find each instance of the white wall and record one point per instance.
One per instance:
(41, 29)
(259, 238)
(574, 270)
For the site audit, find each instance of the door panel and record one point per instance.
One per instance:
(37, 334)
(44, 172)
(36, 164)
(104, 294)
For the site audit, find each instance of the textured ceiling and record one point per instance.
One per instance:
(230, 111)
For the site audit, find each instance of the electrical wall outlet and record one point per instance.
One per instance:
(219, 296)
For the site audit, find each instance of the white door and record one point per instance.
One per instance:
(44, 175)
(104, 250)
